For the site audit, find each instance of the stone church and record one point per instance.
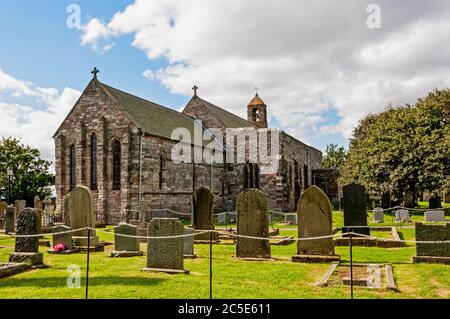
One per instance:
(120, 146)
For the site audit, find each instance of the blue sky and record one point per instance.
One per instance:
(317, 64)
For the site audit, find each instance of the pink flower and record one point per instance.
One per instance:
(59, 247)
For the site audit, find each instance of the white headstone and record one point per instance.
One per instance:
(434, 216)
(378, 215)
(402, 215)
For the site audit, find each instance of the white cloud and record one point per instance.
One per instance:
(149, 74)
(35, 126)
(306, 57)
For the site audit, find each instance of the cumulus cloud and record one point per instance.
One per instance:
(34, 125)
(307, 57)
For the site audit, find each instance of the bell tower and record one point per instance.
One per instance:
(257, 112)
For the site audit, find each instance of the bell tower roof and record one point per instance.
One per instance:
(256, 101)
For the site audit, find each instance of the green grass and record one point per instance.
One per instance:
(122, 278)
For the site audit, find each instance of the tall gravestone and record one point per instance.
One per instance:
(203, 213)
(39, 207)
(19, 205)
(314, 213)
(386, 200)
(355, 210)
(253, 220)
(10, 214)
(62, 236)
(3, 206)
(126, 242)
(27, 248)
(81, 209)
(409, 200)
(447, 197)
(165, 254)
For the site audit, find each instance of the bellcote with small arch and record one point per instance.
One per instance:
(257, 112)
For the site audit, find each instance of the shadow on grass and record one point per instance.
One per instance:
(60, 282)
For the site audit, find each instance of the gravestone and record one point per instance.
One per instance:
(229, 206)
(434, 202)
(252, 221)
(409, 200)
(386, 200)
(355, 209)
(165, 254)
(447, 197)
(203, 204)
(434, 216)
(314, 213)
(290, 219)
(3, 206)
(433, 243)
(81, 209)
(39, 207)
(188, 244)
(62, 237)
(19, 205)
(27, 248)
(125, 246)
(402, 216)
(10, 225)
(378, 215)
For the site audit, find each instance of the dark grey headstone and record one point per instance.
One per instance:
(203, 212)
(188, 243)
(434, 202)
(9, 219)
(253, 220)
(386, 200)
(355, 209)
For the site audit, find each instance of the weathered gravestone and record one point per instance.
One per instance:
(189, 244)
(402, 216)
(447, 197)
(433, 243)
(434, 202)
(81, 209)
(378, 215)
(62, 236)
(125, 246)
(27, 248)
(229, 206)
(355, 210)
(165, 254)
(10, 225)
(386, 200)
(409, 200)
(39, 207)
(203, 213)
(19, 205)
(434, 216)
(3, 206)
(315, 220)
(252, 221)
(290, 219)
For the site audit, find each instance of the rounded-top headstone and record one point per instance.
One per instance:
(81, 208)
(355, 209)
(27, 224)
(203, 201)
(314, 214)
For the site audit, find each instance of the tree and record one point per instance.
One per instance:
(405, 148)
(334, 156)
(30, 174)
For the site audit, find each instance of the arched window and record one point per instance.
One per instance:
(73, 167)
(162, 169)
(94, 161)
(116, 165)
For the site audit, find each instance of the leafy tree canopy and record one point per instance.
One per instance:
(30, 174)
(405, 148)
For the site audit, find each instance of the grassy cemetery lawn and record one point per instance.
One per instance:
(122, 278)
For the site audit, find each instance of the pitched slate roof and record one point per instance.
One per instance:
(152, 118)
(228, 119)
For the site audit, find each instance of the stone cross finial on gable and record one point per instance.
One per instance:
(195, 88)
(94, 72)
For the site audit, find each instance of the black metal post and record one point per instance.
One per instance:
(210, 265)
(87, 263)
(351, 264)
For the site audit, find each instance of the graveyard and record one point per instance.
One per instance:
(277, 277)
